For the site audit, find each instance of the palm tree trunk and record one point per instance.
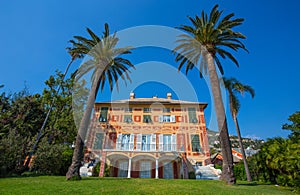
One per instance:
(227, 168)
(242, 148)
(40, 133)
(73, 171)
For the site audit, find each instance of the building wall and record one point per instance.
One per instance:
(180, 128)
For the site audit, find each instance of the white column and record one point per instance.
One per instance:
(129, 169)
(156, 168)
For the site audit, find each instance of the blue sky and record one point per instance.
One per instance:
(34, 35)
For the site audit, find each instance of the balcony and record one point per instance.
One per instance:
(144, 147)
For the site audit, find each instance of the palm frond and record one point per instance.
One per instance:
(105, 59)
(233, 86)
(95, 38)
(213, 33)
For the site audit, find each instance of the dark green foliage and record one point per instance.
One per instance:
(12, 147)
(60, 126)
(20, 114)
(278, 161)
(96, 169)
(239, 171)
(294, 127)
(192, 175)
(52, 159)
(21, 117)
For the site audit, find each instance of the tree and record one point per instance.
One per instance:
(60, 128)
(74, 56)
(278, 159)
(207, 40)
(233, 87)
(106, 65)
(19, 118)
(294, 127)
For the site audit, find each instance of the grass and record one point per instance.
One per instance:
(58, 185)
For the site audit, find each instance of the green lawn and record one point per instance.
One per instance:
(58, 185)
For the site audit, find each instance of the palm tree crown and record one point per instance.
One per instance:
(234, 87)
(211, 34)
(103, 57)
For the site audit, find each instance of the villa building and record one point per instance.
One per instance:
(149, 137)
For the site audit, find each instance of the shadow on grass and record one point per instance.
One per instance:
(103, 178)
(247, 184)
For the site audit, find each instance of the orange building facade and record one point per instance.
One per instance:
(149, 137)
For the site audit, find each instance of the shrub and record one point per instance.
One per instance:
(192, 175)
(52, 159)
(96, 170)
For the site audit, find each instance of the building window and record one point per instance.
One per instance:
(166, 109)
(146, 142)
(127, 118)
(103, 114)
(168, 170)
(192, 115)
(125, 141)
(147, 110)
(167, 142)
(195, 143)
(123, 168)
(98, 141)
(128, 110)
(167, 119)
(145, 169)
(147, 119)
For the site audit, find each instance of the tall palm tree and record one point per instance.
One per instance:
(233, 87)
(208, 38)
(106, 64)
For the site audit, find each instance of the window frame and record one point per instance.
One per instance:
(128, 118)
(103, 113)
(147, 119)
(196, 144)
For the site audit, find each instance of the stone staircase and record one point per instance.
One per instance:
(207, 172)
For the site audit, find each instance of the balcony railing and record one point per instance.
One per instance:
(144, 147)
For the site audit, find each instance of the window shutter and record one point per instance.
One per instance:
(138, 142)
(161, 142)
(173, 141)
(131, 142)
(172, 119)
(153, 142)
(119, 141)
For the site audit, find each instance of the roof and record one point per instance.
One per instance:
(153, 100)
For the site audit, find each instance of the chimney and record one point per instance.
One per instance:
(132, 96)
(169, 96)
